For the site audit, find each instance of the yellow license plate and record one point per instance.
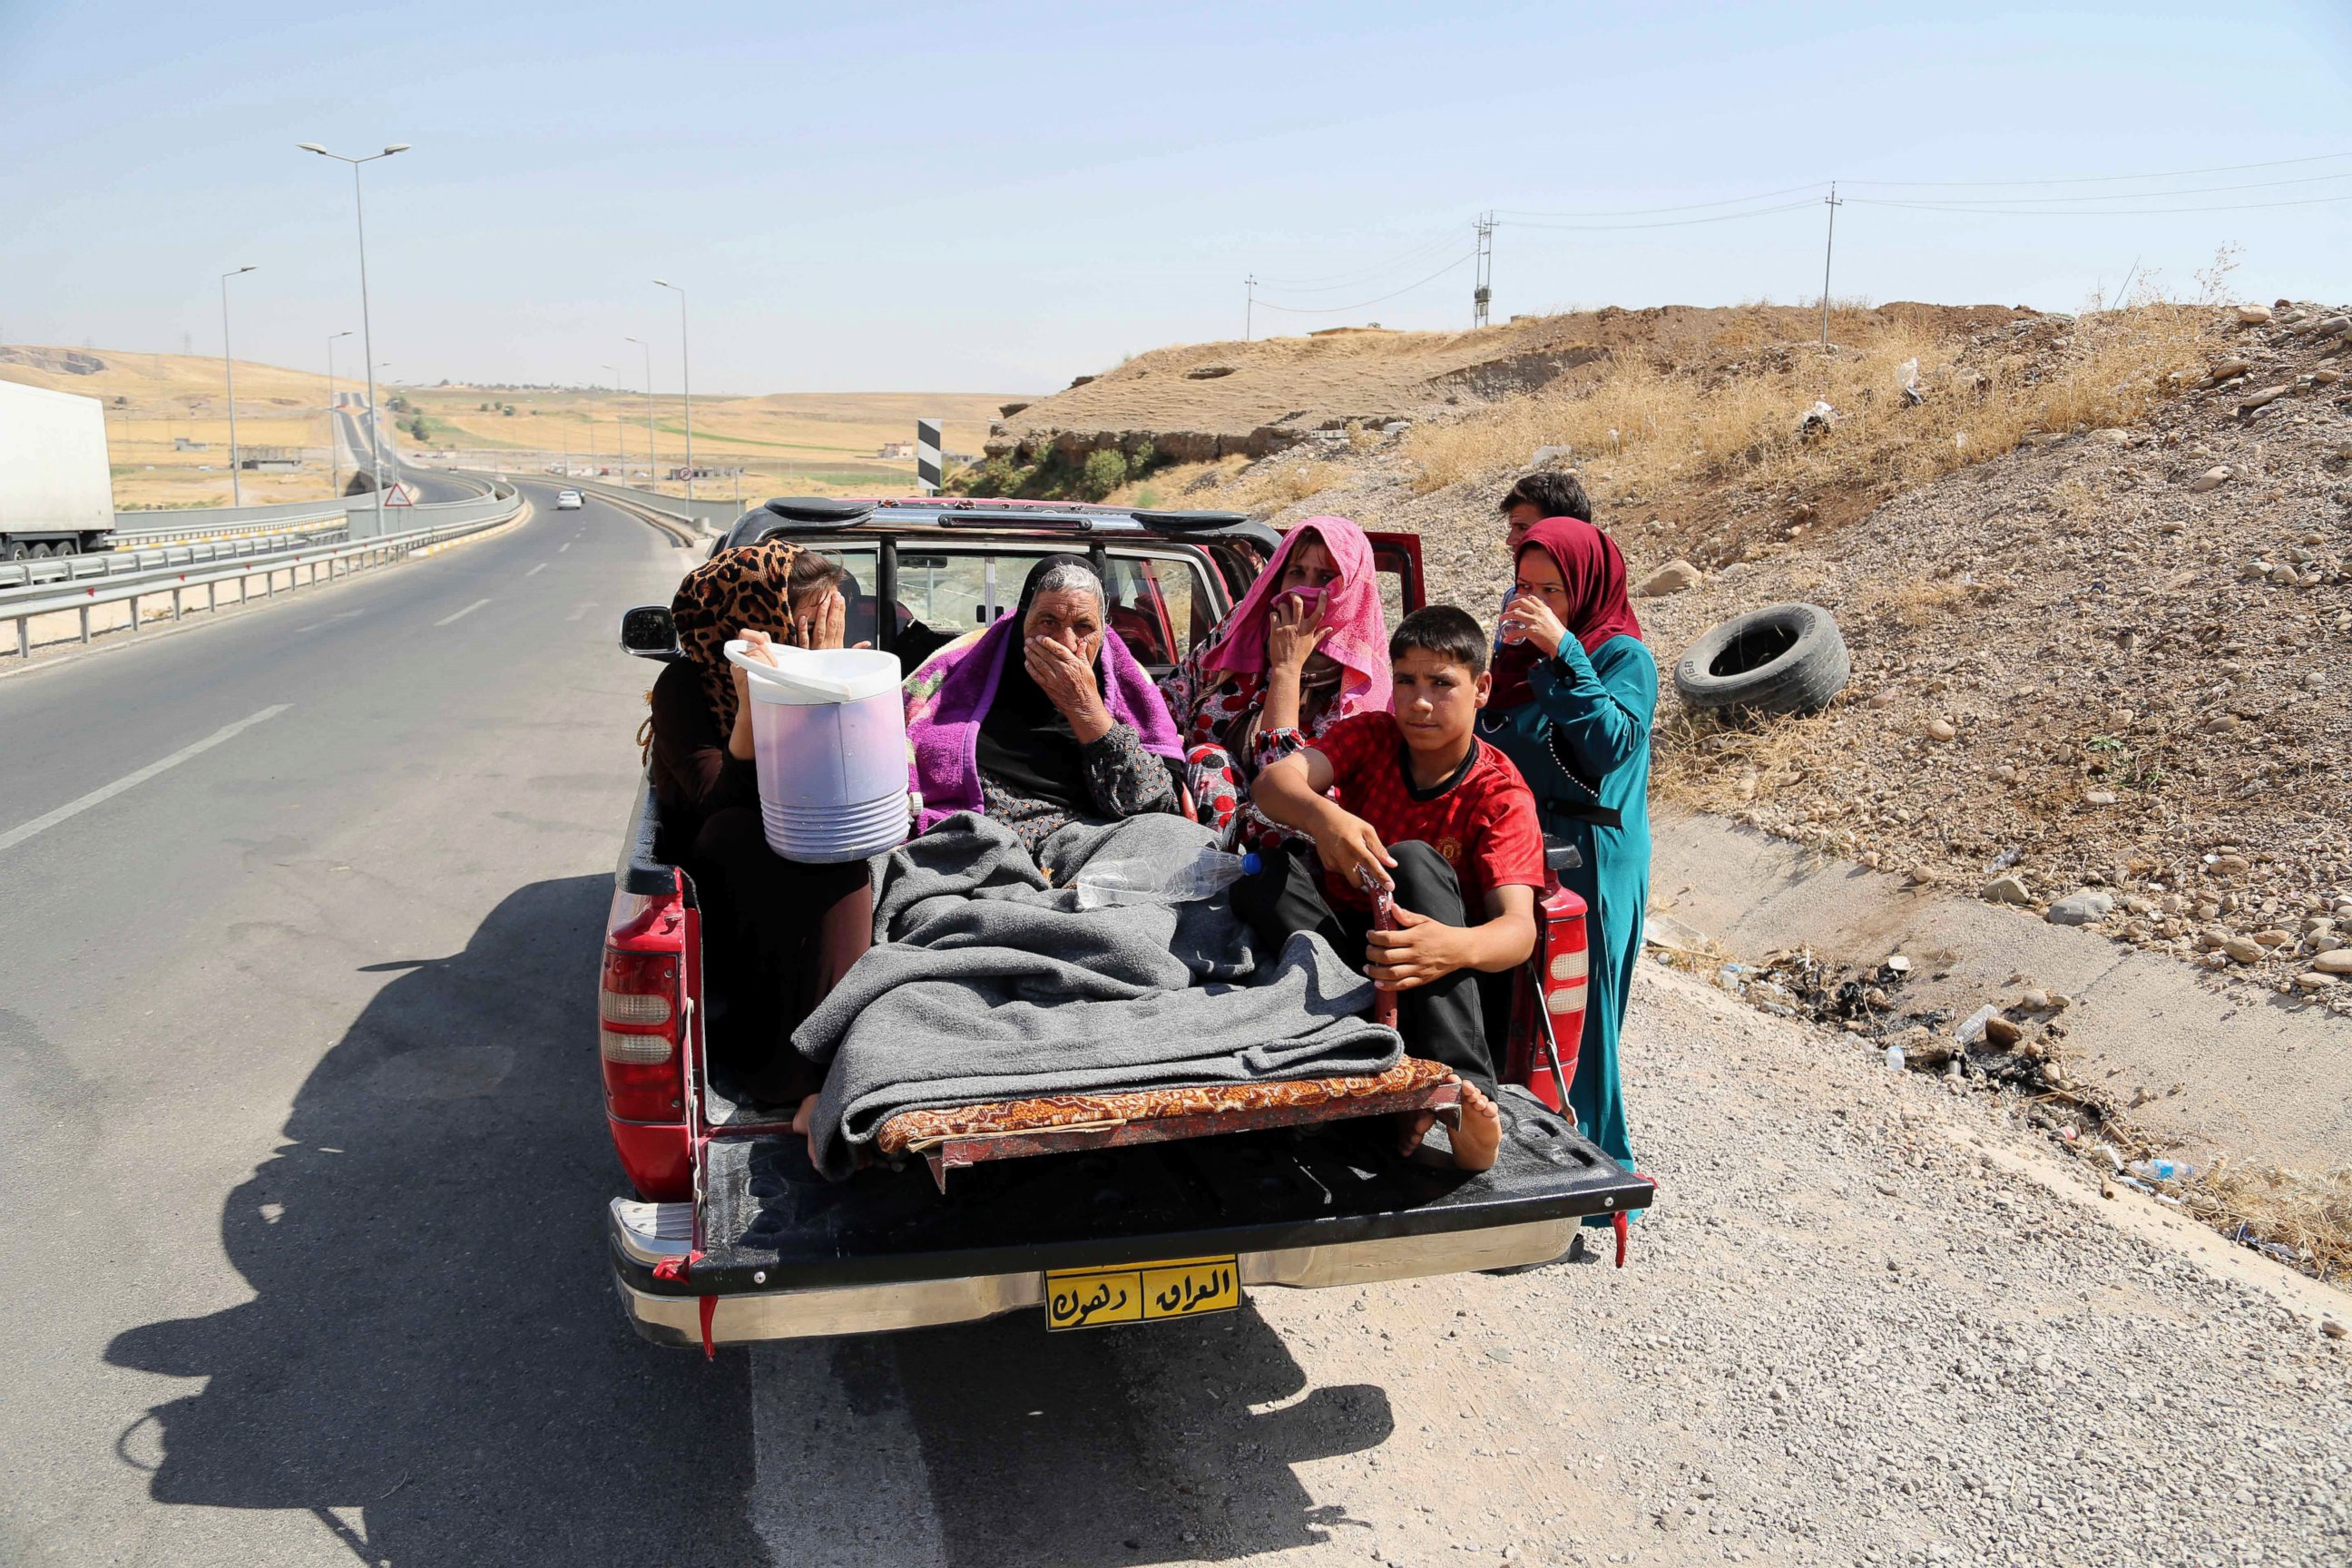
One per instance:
(1141, 1292)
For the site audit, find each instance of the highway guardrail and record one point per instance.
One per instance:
(139, 558)
(454, 520)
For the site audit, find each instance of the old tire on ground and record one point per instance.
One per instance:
(1783, 658)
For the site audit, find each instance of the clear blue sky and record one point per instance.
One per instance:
(996, 198)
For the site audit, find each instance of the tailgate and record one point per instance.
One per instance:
(1309, 1207)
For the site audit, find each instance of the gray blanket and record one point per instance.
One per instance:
(987, 982)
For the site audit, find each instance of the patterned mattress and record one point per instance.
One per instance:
(914, 1132)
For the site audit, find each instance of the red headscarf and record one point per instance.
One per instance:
(1352, 607)
(1598, 608)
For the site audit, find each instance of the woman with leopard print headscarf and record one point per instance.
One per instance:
(776, 935)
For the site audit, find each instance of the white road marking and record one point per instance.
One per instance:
(562, 547)
(536, 570)
(101, 795)
(331, 620)
(467, 611)
(838, 1482)
(580, 610)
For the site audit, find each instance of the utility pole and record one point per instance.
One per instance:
(618, 424)
(236, 490)
(367, 327)
(334, 447)
(1485, 293)
(1829, 250)
(651, 460)
(686, 381)
(1249, 306)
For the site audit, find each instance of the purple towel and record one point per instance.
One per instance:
(949, 696)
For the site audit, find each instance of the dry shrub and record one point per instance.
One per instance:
(2308, 1216)
(1181, 484)
(1914, 603)
(1703, 761)
(1647, 423)
(1271, 486)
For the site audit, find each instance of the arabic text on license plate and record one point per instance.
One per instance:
(1141, 1293)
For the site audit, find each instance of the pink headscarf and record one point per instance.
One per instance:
(1352, 607)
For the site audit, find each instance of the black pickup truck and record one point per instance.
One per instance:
(730, 1236)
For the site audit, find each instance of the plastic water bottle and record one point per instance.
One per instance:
(1894, 1058)
(2162, 1170)
(1210, 873)
(1207, 874)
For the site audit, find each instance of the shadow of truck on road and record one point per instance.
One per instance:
(433, 1367)
(1000, 1443)
(433, 1350)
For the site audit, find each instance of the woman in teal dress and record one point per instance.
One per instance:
(1574, 692)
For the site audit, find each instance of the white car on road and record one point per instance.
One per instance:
(568, 501)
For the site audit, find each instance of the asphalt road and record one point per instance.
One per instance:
(431, 484)
(299, 1128)
(298, 1112)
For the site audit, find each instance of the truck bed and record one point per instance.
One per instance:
(787, 1254)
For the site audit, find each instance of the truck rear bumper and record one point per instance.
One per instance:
(643, 1234)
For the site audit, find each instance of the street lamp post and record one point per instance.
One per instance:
(367, 331)
(334, 449)
(228, 364)
(686, 381)
(652, 462)
(618, 425)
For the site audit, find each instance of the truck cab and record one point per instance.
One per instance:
(728, 1235)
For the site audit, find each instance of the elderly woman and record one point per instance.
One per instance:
(1043, 719)
(776, 933)
(1574, 692)
(1307, 647)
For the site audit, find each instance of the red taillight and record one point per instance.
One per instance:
(640, 1007)
(1560, 990)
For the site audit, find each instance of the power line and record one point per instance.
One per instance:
(1688, 207)
(1450, 236)
(2100, 212)
(1607, 228)
(2134, 196)
(2097, 179)
(1454, 265)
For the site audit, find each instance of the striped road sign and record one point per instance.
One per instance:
(927, 455)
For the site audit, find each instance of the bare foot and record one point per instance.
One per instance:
(1479, 1137)
(1474, 1128)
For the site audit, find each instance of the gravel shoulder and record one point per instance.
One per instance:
(1869, 1321)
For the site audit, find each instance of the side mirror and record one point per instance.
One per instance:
(648, 632)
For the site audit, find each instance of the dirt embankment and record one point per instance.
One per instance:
(1200, 402)
(2109, 553)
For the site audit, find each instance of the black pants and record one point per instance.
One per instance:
(776, 936)
(1442, 1022)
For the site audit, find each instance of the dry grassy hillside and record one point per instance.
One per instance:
(784, 441)
(152, 401)
(821, 442)
(2137, 665)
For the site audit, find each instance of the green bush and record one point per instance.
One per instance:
(1105, 470)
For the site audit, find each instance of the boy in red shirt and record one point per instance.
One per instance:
(1411, 800)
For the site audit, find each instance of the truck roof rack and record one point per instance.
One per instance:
(1191, 522)
(822, 511)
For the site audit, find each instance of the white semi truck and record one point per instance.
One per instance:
(57, 493)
